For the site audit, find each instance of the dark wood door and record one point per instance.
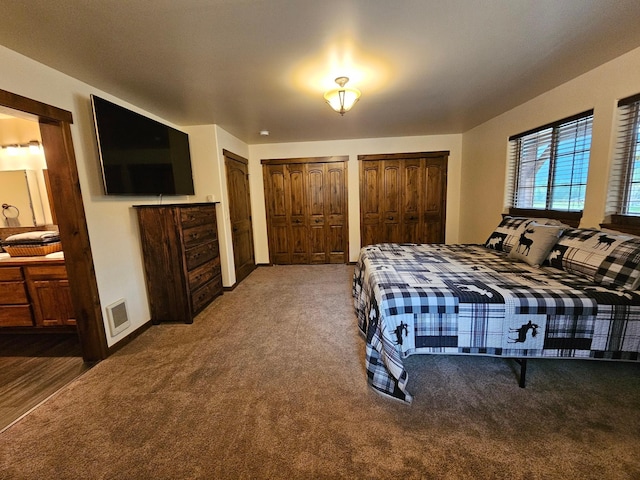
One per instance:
(240, 214)
(370, 207)
(316, 201)
(403, 197)
(435, 200)
(336, 215)
(390, 198)
(277, 206)
(298, 221)
(412, 198)
(306, 202)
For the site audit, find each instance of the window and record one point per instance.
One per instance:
(549, 165)
(624, 184)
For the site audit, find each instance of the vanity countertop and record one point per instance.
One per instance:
(21, 261)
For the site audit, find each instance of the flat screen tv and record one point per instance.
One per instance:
(140, 156)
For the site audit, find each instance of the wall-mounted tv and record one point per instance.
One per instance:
(140, 156)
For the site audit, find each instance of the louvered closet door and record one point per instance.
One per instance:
(403, 197)
(306, 210)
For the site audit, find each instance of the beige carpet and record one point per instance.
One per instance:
(269, 382)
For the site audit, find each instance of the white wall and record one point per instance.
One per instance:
(207, 143)
(352, 148)
(485, 147)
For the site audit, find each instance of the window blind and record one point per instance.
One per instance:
(624, 182)
(549, 165)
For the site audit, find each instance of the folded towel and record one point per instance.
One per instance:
(37, 237)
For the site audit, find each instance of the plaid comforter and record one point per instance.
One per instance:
(468, 299)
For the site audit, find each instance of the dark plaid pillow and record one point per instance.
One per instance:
(622, 266)
(605, 258)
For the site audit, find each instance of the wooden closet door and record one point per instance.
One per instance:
(306, 210)
(435, 200)
(402, 197)
(370, 207)
(278, 205)
(390, 198)
(412, 194)
(336, 231)
(316, 177)
(299, 222)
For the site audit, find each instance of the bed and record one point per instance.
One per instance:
(576, 297)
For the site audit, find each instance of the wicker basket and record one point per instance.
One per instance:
(32, 250)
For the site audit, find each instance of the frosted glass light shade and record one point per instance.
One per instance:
(342, 99)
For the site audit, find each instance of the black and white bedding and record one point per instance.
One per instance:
(474, 299)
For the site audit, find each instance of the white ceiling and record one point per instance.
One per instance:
(424, 66)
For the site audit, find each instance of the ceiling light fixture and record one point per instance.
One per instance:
(344, 98)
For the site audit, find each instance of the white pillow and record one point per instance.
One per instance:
(535, 242)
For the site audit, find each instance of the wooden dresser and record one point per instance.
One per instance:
(181, 259)
(34, 292)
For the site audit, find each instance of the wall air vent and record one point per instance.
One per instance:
(118, 317)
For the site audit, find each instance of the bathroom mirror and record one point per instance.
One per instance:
(23, 199)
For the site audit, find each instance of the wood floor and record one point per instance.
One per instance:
(32, 368)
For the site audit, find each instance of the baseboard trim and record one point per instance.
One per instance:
(126, 340)
(233, 287)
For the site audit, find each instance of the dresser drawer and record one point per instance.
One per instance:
(201, 275)
(16, 316)
(8, 274)
(206, 293)
(192, 217)
(198, 235)
(13, 293)
(200, 254)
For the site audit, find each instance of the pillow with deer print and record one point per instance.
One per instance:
(506, 234)
(534, 243)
